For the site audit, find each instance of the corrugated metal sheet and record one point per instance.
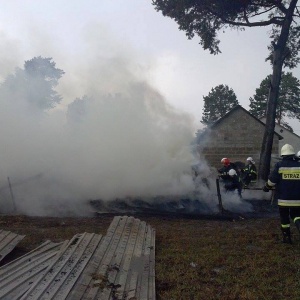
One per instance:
(19, 275)
(89, 266)
(8, 241)
(123, 267)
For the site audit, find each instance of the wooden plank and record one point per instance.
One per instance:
(255, 188)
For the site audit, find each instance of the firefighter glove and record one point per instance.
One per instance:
(266, 188)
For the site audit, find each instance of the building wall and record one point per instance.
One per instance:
(288, 137)
(237, 136)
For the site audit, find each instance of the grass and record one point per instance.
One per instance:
(196, 259)
(226, 260)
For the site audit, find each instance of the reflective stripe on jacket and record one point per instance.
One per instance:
(251, 169)
(286, 178)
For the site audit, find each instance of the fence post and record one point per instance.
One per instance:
(219, 196)
(12, 195)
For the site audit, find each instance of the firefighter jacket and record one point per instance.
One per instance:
(286, 177)
(250, 170)
(235, 183)
(224, 171)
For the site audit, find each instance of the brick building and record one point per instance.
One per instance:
(237, 135)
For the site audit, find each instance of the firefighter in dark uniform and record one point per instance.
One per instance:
(235, 183)
(286, 178)
(224, 171)
(297, 156)
(249, 173)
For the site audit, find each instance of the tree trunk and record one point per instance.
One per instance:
(278, 59)
(267, 143)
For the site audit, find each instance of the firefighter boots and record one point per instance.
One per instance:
(286, 236)
(297, 223)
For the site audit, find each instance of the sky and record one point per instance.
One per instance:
(124, 53)
(179, 68)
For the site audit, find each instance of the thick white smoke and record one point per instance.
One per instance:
(127, 141)
(113, 136)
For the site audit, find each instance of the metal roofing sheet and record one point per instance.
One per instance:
(18, 276)
(8, 241)
(89, 266)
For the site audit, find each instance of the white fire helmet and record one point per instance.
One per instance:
(287, 149)
(298, 154)
(250, 159)
(232, 172)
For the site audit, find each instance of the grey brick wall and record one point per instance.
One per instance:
(237, 137)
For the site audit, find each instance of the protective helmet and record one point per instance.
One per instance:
(225, 161)
(250, 159)
(298, 154)
(232, 172)
(287, 149)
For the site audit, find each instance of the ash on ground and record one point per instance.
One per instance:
(152, 205)
(183, 206)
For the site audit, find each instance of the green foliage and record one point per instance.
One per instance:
(288, 105)
(205, 18)
(43, 68)
(35, 84)
(290, 51)
(217, 103)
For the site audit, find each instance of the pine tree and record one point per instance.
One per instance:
(217, 103)
(288, 105)
(35, 84)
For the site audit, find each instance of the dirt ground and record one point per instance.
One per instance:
(40, 229)
(181, 240)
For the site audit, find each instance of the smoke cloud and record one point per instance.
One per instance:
(114, 135)
(125, 142)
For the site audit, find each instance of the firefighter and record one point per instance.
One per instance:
(235, 182)
(227, 165)
(297, 156)
(286, 178)
(249, 173)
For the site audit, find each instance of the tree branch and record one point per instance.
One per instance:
(263, 12)
(246, 17)
(280, 6)
(275, 20)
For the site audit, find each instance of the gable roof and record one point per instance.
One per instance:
(283, 128)
(237, 107)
